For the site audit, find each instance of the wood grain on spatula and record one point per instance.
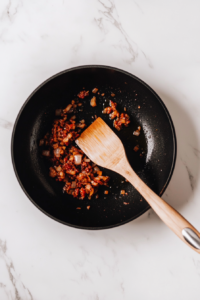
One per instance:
(105, 149)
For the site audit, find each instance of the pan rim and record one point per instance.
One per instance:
(102, 67)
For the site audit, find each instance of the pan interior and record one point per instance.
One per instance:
(157, 145)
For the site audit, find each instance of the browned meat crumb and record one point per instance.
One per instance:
(88, 207)
(103, 94)
(106, 192)
(126, 203)
(136, 132)
(139, 106)
(107, 110)
(69, 164)
(112, 94)
(41, 143)
(122, 192)
(114, 114)
(83, 94)
(94, 90)
(120, 119)
(78, 208)
(136, 148)
(93, 101)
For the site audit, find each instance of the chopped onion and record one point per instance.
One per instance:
(94, 183)
(58, 169)
(57, 152)
(73, 186)
(46, 153)
(81, 125)
(87, 160)
(71, 172)
(136, 132)
(58, 112)
(77, 159)
(41, 142)
(96, 169)
(52, 172)
(66, 139)
(62, 174)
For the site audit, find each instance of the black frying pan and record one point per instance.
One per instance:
(157, 143)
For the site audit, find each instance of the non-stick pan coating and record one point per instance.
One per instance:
(157, 141)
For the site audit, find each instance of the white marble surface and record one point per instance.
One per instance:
(157, 41)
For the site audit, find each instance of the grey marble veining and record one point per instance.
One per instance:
(10, 283)
(5, 124)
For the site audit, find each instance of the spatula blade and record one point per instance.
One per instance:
(101, 144)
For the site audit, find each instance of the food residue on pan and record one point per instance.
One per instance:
(94, 90)
(83, 94)
(136, 148)
(80, 176)
(93, 101)
(137, 132)
(120, 119)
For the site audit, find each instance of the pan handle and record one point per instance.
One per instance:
(175, 221)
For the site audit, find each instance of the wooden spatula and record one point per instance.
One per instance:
(105, 149)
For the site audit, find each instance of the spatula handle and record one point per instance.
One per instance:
(175, 221)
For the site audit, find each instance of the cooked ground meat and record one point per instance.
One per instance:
(93, 101)
(81, 177)
(120, 119)
(83, 94)
(94, 90)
